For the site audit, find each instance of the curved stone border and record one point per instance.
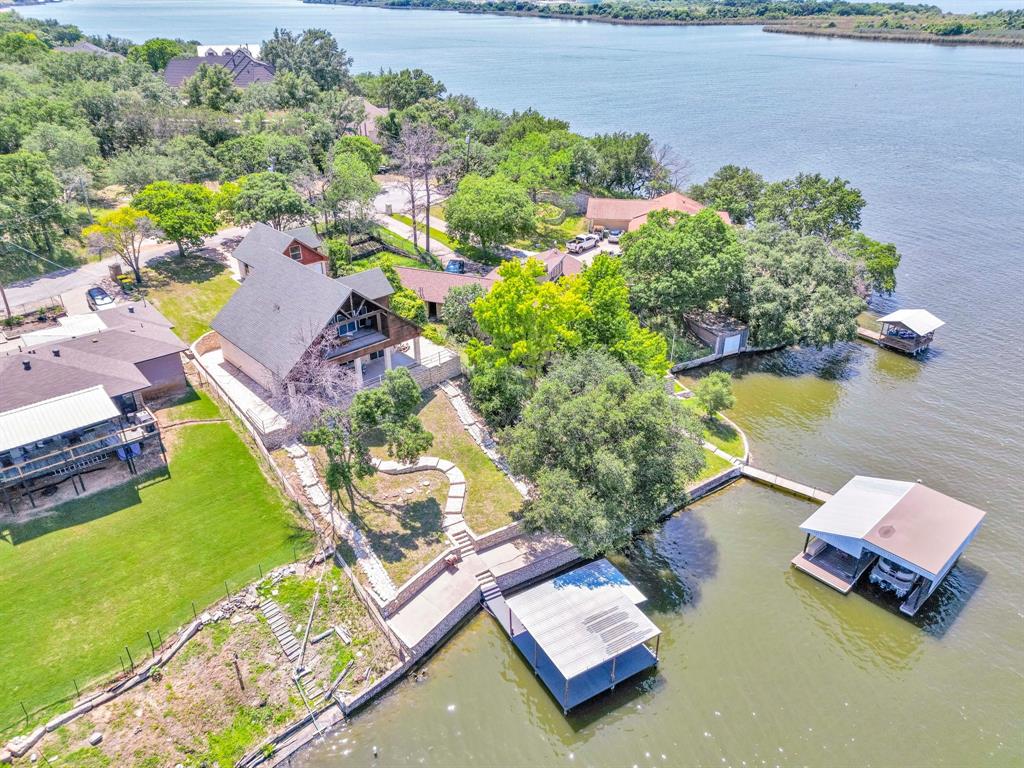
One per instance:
(452, 519)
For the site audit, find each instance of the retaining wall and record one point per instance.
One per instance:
(497, 536)
(415, 583)
(538, 568)
(468, 606)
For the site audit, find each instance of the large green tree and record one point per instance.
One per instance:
(390, 409)
(491, 210)
(156, 52)
(457, 311)
(258, 152)
(732, 189)
(676, 264)
(610, 324)
(313, 52)
(553, 161)
(122, 232)
(269, 198)
(349, 196)
(875, 263)
(211, 86)
(810, 204)
(794, 290)
(31, 212)
(184, 213)
(628, 164)
(399, 90)
(608, 452)
(526, 318)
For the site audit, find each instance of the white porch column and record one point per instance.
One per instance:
(387, 358)
(358, 365)
(416, 348)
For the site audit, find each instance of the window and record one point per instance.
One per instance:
(347, 328)
(377, 355)
(295, 251)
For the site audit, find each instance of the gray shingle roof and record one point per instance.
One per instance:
(84, 46)
(263, 242)
(371, 284)
(306, 236)
(75, 369)
(244, 69)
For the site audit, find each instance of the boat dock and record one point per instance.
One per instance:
(790, 486)
(868, 335)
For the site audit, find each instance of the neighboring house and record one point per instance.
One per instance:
(243, 68)
(432, 286)
(630, 215)
(372, 115)
(283, 308)
(84, 46)
(301, 244)
(218, 49)
(73, 405)
(557, 264)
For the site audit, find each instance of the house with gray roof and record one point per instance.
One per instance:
(240, 64)
(283, 308)
(71, 405)
(301, 244)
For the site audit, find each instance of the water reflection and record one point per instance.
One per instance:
(670, 565)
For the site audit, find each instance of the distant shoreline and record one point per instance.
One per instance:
(791, 26)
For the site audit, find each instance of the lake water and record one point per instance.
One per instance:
(760, 664)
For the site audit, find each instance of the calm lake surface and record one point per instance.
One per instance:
(760, 664)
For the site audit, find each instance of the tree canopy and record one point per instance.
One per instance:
(732, 189)
(185, 213)
(608, 452)
(810, 204)
(490, 210)
(313, 52)
(122, 232)
(269, 198)
(399, 90)
(156, 52)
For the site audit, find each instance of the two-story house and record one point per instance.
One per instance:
(301, 245)
(283, 308)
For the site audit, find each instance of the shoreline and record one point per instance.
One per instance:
(789, 26)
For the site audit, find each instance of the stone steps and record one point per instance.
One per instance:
(282, 631)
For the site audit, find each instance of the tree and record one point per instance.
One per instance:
(527, 320)
(370, 154)
(875, 263)
(72, 153)
(315, 383)
(345, 434)
(31, 211)
(193, 159)
(211, 86)
(269, 198)
(810, 204)
(608, 452)
(675, 264)
(260, 152)
(122, 231)
(457, 311)
(156, 52)
(610, 324)
(349, 195)
(399, 90)
(794, 290)
(140, 167)
(295, 90)
(627, 163)
(731, 189)
(185, 213)
(314, 52)
(493, 210)
(499, 391)
(544, 161)
(21, 48)
(714, 393)
(417, 149)
(407, 305)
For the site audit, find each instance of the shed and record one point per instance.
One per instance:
(915, 533)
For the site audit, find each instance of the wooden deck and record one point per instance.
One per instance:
(868, 335)
(803, 563)
(790, 486)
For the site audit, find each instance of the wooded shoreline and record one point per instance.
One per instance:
(789, 26)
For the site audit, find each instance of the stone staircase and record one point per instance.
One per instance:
(283, 632)
(488, 586)
(463, 541)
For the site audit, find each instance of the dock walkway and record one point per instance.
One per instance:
(868, 335)
(790, 486)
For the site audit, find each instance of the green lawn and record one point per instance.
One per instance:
(193, 405)
(491, 501)
(714, 465)
(463, 249)
(718, 432)
(93, 576)
(189, 292)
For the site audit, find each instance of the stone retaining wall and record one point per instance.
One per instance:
(467, 607)
(497, 536)
(392, 676)
(713, 484)
(415, 583)
(553, 562)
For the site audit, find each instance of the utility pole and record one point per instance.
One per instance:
(468, 133)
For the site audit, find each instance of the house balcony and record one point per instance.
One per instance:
(59, 454)
(356, 341)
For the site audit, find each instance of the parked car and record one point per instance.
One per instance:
(455, 266)
(614, 235)
(98, 299)
(582, 243)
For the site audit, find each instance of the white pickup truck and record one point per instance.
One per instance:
(582, 243)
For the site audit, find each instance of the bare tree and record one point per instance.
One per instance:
(418, 149)
(672, 171)
(314, 384)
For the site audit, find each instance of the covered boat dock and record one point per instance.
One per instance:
(910, 534)
(582, 631)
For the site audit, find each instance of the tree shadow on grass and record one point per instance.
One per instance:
(83, 510)
(190, 269)
(411, 525)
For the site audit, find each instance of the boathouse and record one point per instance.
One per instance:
(908, 330)
(907, 534)
(582, 631)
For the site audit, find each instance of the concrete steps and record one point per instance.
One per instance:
(488, 586)
(465, 544)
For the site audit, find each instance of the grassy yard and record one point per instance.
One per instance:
(714, 465)
(189, 292)
(78, 585)
(492, 501)
(192, 405)
(465, 250)
(718, 432)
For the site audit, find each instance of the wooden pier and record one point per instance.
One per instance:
(789, 486)
(867, 334)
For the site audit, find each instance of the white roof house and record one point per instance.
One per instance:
(55, 416)
(920, 321)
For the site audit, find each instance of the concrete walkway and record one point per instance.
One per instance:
(366, 558)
